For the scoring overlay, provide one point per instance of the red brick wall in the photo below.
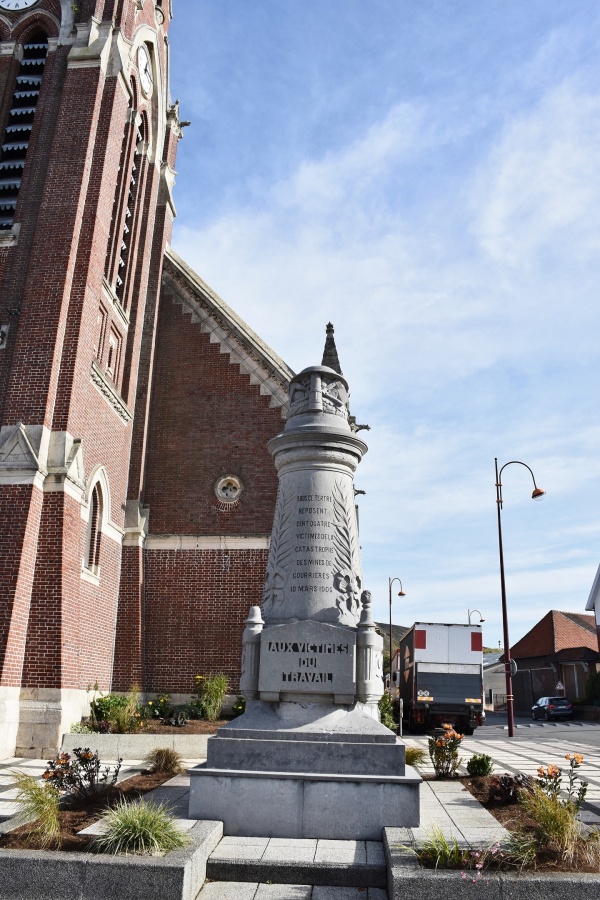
(207, 420)
(195, 604)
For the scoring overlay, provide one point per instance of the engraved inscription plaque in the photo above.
(307, 657)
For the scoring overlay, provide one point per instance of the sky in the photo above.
(423, 174)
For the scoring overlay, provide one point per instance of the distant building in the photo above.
(562, 649)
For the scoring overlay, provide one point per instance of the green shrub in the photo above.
(122, 714)
(158, 708)
(102, 709)
(164, 759)
(239, 707)
(557, 828)
(415, 756)
(81, 728)
(386, 712)
(480, 764)
(208, 694)
(39, 801)
(138, 827)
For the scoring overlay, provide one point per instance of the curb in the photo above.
(56, 875)
(408, 879)
(136, 746)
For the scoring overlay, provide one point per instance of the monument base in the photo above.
(304, 805)
(311, 770)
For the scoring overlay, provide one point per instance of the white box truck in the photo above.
(438, 674)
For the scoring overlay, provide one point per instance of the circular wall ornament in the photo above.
(17, 5)
(228, 489)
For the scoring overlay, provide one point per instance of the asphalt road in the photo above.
(496, 727)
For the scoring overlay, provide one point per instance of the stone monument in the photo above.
(309, 757)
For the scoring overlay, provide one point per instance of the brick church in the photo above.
(136, 490)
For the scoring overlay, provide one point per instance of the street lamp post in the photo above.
(400, 594)
(537, 494)
(471, 612)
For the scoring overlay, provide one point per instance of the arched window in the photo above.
(124, 223)
(19, 125)
(92, 561)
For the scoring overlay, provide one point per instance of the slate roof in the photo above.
(560, 636)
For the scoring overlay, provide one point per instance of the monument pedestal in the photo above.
(305, 770)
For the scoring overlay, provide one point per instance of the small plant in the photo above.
(81, 728)
(386, 712)
(165, 759)
(103, 708)
(179, 716)
(415, 756)
(506, 788)
(480, 764)
(239, 707)
(82, 776)
(208, 694)
(159, 707)
(438, 851)
(443, 751)
(550, 782)
(39, 801)
(138, 827)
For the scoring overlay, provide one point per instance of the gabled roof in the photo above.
(245, 348)
(563, 635)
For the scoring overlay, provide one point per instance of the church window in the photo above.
(17, 132)
(113, 355)
(121, 247)
(92, 561)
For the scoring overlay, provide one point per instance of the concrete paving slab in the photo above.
(244, 852)
(375, 854)
(228, 890)
(288, 854)
(293, 842)
(341, 851)
(282, 892)
(233, 841)
(8, 809)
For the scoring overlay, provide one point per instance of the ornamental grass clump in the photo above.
(139, 828)
(39, 801)
(414, 756)
(443, 751)
(208, 694)
(165, 759)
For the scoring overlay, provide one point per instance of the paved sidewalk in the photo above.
(444, 804)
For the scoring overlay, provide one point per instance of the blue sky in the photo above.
(424, 174)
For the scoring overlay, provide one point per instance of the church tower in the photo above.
(89, 138)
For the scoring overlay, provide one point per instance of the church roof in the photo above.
(559, 634)
(245, 348)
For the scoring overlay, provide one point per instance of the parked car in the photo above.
(552, 708)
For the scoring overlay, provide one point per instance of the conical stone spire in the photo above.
(330, 354)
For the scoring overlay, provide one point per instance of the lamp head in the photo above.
(401, 594)
(537, 494)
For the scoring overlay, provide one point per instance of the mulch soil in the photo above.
(83, 814)
(194, 726)
(512, 815)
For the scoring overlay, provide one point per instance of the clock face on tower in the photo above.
(145, 69)
(16, 5)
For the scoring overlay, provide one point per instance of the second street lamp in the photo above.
(537, 494)
(400, 594)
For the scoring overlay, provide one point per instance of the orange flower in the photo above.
(541, 772)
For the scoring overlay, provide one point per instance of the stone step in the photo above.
(229, 890)
(299, 861)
